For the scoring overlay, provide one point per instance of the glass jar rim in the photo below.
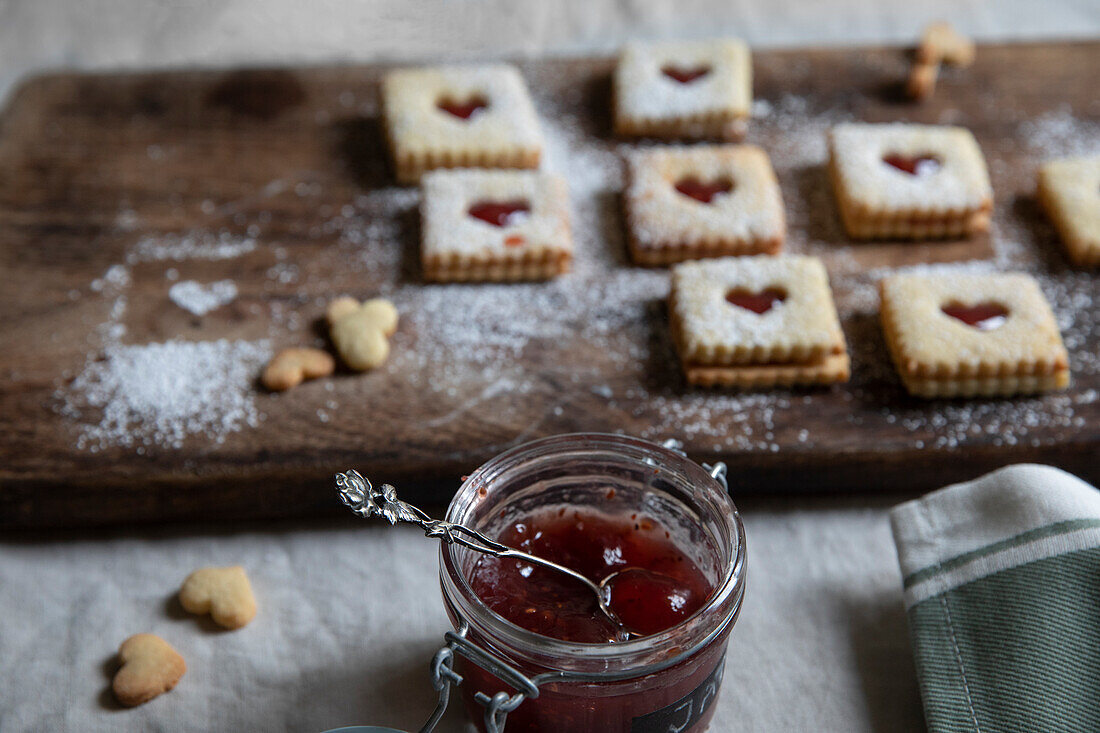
(700, 628)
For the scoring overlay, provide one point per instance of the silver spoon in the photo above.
(366, 501)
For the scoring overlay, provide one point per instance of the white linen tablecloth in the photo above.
(349, 615)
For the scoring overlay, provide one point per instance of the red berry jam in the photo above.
(914, 165)
(500, 213)
(703, 192)
(758, 303)
(656, 585)
(684, 75)
(463, 109)
(983, 316)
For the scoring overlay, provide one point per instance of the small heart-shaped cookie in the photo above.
(150, 666)
(224, 593)
(291, 367)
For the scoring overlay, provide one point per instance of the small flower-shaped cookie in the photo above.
(360, 331)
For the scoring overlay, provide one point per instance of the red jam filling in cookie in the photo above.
(983, 316)
(500, 213)
(703, 191)
(463, 109)
(657, 585)
(914, 165)
(684, 75)
(758, 303)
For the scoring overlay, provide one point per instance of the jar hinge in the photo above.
(718, 471)
(499, 705)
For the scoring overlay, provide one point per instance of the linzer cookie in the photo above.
(495, 226)
(756, 322)
(906, 181)
(1069, 190)
(963, 335)
(691, 89)
(457, 117)
(710, 201)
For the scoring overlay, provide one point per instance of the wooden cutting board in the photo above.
(123, 197)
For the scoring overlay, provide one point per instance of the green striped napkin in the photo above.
(1002, 587)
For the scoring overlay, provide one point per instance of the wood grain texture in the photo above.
(91, 164)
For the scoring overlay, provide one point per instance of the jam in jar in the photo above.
(598, 504)
(654, 585)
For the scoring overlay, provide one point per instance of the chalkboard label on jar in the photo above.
(684, 713)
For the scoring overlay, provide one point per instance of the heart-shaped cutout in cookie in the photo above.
(914, 165)
(463, 109)
(703, 191)
(224, 593)
(758, 302)
(150, 666)
(983, 316)
(500, 213)
(685, 74)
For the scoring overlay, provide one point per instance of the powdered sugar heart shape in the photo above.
(150, 666)
(685, 74)
(914, 165)
(224, 593)
(463, 109)
(199, 298)
(703, 191)
(500, 213)
(758, 302)
(983, 316)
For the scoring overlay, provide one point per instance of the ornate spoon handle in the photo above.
(366, 501)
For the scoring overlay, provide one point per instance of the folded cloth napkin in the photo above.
(1002, 588)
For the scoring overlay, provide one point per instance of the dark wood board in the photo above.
(92, 166)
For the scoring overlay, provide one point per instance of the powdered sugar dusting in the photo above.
(490, 351)
(192, 245)
(1059, 134)
(161, 393)
(200, 299)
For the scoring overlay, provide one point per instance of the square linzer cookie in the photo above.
(756, 322)
(481, 225)
(961, 335)
(1069, 190)
(708, 201)
(906, 181)
(459, 117)
(690, 89)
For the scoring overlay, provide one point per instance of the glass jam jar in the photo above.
(666, 681)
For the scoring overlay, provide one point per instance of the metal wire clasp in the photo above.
(718, 471)
(499, 705)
